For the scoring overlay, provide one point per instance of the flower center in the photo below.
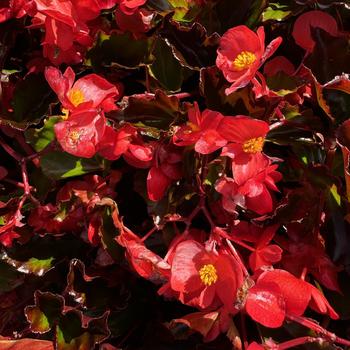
(76, 97)
(192, 128)
(254, 145)
(208, 274)
(74, 136)
(244, 60)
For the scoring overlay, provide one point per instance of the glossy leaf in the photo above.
(60, 165)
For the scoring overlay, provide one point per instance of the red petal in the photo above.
(242, 128)
(184, 273)
(95, 89)
(296, 292)
(265, 305)
(59, 83)
(320, 304)
(209, 142)
(316, 19)
(157, 184)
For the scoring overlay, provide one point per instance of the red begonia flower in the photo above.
(201, 131)
(241, 53)
(204, 278)
(251, 185)
(246, 137)
(278, 293)
(312, 19)
(81, 133)
(91, 91)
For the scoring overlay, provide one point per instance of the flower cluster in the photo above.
(142, 145)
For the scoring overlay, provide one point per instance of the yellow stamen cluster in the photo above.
(74, 136)
(244, 60)
(76, 97)
(208, 274)
(254, 145)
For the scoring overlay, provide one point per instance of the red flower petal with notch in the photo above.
(312, 19)
(81, 133)
(91, 91)
(241, 53)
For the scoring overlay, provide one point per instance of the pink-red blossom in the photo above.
(241, 53)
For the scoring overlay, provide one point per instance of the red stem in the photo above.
(10, 151)
(244, 245)
(299, 341)
(237, 257)
(208, 216)
(318, 329)
(179, 95)
(149, 233)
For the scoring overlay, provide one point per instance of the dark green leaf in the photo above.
(31, 100)
(120, 49)
(40, 138)
(166, 69)
(191, 46)
(60, 165)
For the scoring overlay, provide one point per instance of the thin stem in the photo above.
(148, 88)
(244, 331)
(299, 341)
(303, 274)
(208, 216)
(244, 245)
(237, 257)
(179, 95)
(149, 233)
(318, 329)
(10, 150)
